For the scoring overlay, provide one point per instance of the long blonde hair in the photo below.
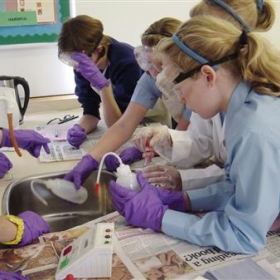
(258, 14)
(213, 38)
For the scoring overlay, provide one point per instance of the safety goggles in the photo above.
(185, 75)
(144, 57)
(165, 79)
(199, 58)
(65, 57)
(170, 76)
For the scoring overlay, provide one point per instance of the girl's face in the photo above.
(94, 57)
(200, 94)
(98, 57)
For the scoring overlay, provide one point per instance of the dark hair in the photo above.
(81, 33)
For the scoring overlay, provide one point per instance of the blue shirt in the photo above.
(243, 207)
(146, 94)
(123, 72)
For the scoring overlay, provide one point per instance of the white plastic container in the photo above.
(126, 178)
(62, 189)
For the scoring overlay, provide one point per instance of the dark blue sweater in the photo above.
(123, 72)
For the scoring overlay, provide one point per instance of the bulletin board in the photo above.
(30, 21)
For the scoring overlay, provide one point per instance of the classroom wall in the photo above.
(126, 20)
(123, 20)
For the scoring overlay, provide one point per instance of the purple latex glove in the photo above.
(143, 209)
(127, 156)
(29, 140)
(34, 226)
(5, 165)
(174, 199)
(82, 170)
(76, 135)
(4, 275)
(89, 70)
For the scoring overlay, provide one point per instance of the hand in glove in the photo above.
(157, 136)
(168, 177)
(82, 170)
(30, 226)
(89, 70)
(76, 135)
(34, 226)
(175, 200)
(29, 140)
(5, 165)
(127, 156)
(143, 209)
(4, 275)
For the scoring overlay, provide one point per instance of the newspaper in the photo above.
(60, 149)
(39, 261)
(151, 255)
(138, 254)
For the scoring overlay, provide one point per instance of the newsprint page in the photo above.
(143, 254)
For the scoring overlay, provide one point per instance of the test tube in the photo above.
(148, 159)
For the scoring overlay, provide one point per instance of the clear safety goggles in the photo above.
(165, 80)
(144, 56)
(172, 74)
(170, 96)
(65, 57)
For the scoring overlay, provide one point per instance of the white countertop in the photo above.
(38, 113)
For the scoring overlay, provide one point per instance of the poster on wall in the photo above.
(31, 21)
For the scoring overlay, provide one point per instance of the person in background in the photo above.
(29, 140)
(144, 98)
(240, 77)
(203, 145)
(105, 71)
(147, 91)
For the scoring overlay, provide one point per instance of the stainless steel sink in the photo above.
(60, 214)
